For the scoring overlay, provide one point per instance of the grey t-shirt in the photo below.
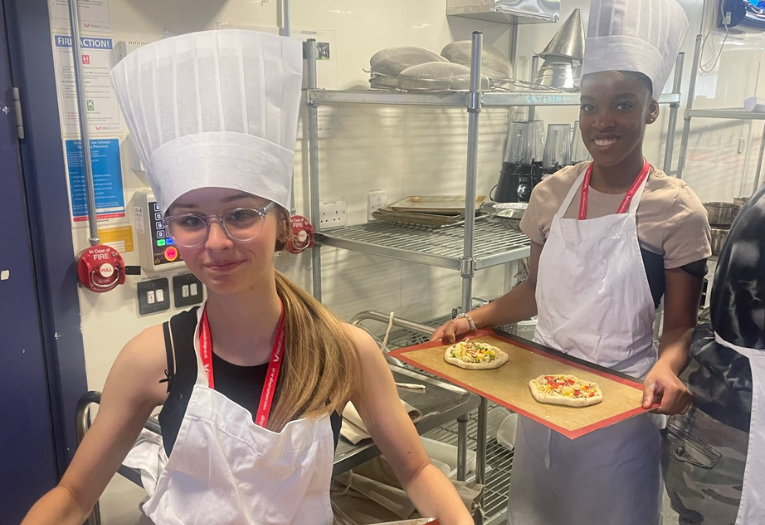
(671, 221)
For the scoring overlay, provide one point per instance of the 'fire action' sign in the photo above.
(86, 42)
(101, 106)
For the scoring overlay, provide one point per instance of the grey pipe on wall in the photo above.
(74, 23)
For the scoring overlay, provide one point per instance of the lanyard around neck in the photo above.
(624, 206)
(275, 363)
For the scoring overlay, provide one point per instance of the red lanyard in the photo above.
(269, 386)
(627, 198)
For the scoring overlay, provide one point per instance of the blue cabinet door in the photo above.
(27, 451)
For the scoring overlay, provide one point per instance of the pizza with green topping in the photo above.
(475, 356)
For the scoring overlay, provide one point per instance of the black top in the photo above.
(738, 295)
(241, 384)
(722, 383)
(654, 269)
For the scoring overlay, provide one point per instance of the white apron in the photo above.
(751, 510)
(226, 470)
(594, 303)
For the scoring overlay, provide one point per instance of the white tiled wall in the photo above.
(403, 151)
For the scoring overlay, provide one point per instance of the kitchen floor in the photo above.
(670, 516)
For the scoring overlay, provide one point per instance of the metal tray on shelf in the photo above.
(449, 204)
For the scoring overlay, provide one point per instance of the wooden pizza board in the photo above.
(508, 385)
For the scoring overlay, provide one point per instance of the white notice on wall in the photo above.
(103, 112)
(93, 14)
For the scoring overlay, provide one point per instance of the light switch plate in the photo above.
(149, 295)
(187, 290)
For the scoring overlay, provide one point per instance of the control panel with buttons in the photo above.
(157, 250)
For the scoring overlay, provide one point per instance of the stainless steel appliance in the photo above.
(522, 165)
(557, 148)
(579, 151)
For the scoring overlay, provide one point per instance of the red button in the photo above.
(171, 254)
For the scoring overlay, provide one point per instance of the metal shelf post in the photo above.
(467, 271)
(688, 109)
(474, 112)
(669, 150)
(310, 50)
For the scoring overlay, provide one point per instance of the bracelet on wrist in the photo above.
(470, 321)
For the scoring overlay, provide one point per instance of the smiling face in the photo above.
(226, 266)
(615, 108)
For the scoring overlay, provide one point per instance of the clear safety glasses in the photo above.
(240, 224)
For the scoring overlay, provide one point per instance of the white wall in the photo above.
(403, 151)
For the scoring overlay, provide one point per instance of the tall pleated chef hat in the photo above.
(214, 109)
(641, 36)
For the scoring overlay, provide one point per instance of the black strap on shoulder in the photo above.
(183, 327)
(170, 371)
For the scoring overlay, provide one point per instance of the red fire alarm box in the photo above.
(100, 268)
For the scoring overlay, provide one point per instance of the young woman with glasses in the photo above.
(259, 375)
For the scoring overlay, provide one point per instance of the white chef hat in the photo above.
(214, 109)
(642, 36)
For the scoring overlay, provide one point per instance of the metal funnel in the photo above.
(569, 40)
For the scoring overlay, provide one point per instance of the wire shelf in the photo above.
(734, 113)
(494, 243)
(540, 97)
(499, 460)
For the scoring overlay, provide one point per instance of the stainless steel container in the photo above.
(559, 73)
(721, 214)
(511, 213)
(719, 235)
(506, 11)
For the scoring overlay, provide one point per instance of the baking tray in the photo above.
(509, 385)
(450, 204)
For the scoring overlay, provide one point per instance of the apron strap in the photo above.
(752, 492)
(573, 192)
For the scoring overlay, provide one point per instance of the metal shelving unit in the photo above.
(494, 243)
(474, 245)
(721, 113)
(455, 100)
(733, 113)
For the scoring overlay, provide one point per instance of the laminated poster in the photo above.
(107, 179)
(103, 112)
(93, 14)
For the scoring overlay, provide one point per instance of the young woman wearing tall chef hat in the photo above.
(609, 239)
(259, 374)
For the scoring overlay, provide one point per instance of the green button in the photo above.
(161, 242)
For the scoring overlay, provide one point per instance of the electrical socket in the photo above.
(333, 214)
(375, 199)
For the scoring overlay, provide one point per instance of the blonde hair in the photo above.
(320, 360)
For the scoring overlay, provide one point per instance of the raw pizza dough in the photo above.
(566, 390)
(475, 356)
